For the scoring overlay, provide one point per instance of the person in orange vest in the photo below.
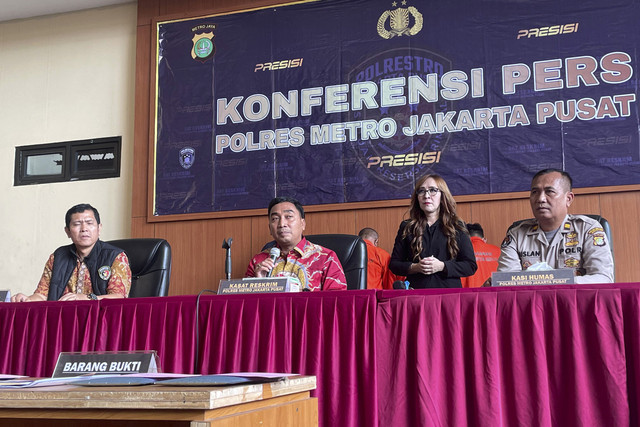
(378, 274)
(486, 257)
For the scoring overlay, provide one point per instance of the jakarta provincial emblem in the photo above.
(203, 47)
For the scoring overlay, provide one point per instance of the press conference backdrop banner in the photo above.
(349, 101)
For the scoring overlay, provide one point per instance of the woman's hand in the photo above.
(428, 265)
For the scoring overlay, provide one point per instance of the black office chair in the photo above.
(351, 251)
(150, 262)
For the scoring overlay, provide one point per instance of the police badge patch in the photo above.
(572, 239)
(186, 157)
(571, 262)
(598, 239)
(104, 272)
(506, 241)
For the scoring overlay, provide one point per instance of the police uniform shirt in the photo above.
(580, 244)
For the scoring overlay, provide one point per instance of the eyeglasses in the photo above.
(431, 190)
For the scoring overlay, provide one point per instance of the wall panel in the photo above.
(622, 210)
(141, 129)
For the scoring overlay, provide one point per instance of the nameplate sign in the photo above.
(561, 276)
(5, 296)
(257, 285)
(112, 363)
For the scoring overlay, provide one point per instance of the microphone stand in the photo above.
(226, 244)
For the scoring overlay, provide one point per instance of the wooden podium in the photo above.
(282, 403)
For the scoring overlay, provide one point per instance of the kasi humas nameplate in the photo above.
(562, 276)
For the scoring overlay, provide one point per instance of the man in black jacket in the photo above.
(87, 269)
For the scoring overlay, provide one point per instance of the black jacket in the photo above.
(434, 243)
(64, 261)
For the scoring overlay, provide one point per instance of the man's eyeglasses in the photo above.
(431, 190)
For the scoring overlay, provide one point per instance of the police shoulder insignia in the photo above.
(567, 225)
(598, 239)
(104, 272)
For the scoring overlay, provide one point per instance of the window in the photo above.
(68, 161)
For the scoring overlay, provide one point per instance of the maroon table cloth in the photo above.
(562, 355)
(520, 356)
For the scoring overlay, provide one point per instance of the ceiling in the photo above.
(12, 9)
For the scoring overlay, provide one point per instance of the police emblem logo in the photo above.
(396, 159)
(598, 239)
(403, 21)
(203, 47)
(186, 157)
(104, 272)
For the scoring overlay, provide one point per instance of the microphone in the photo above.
(399, 284)
(274, 253)
(226, 244)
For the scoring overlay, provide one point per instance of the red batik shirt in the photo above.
(316, 267)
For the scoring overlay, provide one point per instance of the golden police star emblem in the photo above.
(402, 21)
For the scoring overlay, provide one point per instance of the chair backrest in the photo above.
(150, 261)
(605, 226)
(352, 253)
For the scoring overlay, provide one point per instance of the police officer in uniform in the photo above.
(555, 237)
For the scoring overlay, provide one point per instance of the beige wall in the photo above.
(62, 77)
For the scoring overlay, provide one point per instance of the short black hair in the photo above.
(475, 229)
(368, 233)
(79, 209)
(564, 174)
(283, 199)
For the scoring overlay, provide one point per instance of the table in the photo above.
(546, 355)
(279, 403)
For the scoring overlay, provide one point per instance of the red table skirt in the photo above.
(562, 355)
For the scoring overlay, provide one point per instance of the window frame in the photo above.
(70, 151)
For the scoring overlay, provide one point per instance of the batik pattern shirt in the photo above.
(80, 280)
(316, 267)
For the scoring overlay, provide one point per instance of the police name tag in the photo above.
(560, 276)
(257, 285)
(111, 363)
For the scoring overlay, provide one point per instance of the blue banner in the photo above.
(350, 101)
